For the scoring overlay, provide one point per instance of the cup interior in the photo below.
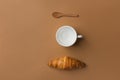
(66, 36)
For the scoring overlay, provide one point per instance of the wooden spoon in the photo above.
(59, 15)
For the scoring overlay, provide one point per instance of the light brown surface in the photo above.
(27, 39)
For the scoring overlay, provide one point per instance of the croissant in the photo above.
(66, 63)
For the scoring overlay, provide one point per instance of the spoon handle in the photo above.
(71, 15)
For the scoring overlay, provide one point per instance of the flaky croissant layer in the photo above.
(66, 63)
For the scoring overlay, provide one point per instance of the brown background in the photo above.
(27, 39)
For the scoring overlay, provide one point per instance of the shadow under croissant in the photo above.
(66, 63)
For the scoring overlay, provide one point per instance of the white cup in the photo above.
(66, 36)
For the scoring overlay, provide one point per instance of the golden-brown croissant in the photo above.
(66, 63)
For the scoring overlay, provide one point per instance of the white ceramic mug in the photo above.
(67, 36)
